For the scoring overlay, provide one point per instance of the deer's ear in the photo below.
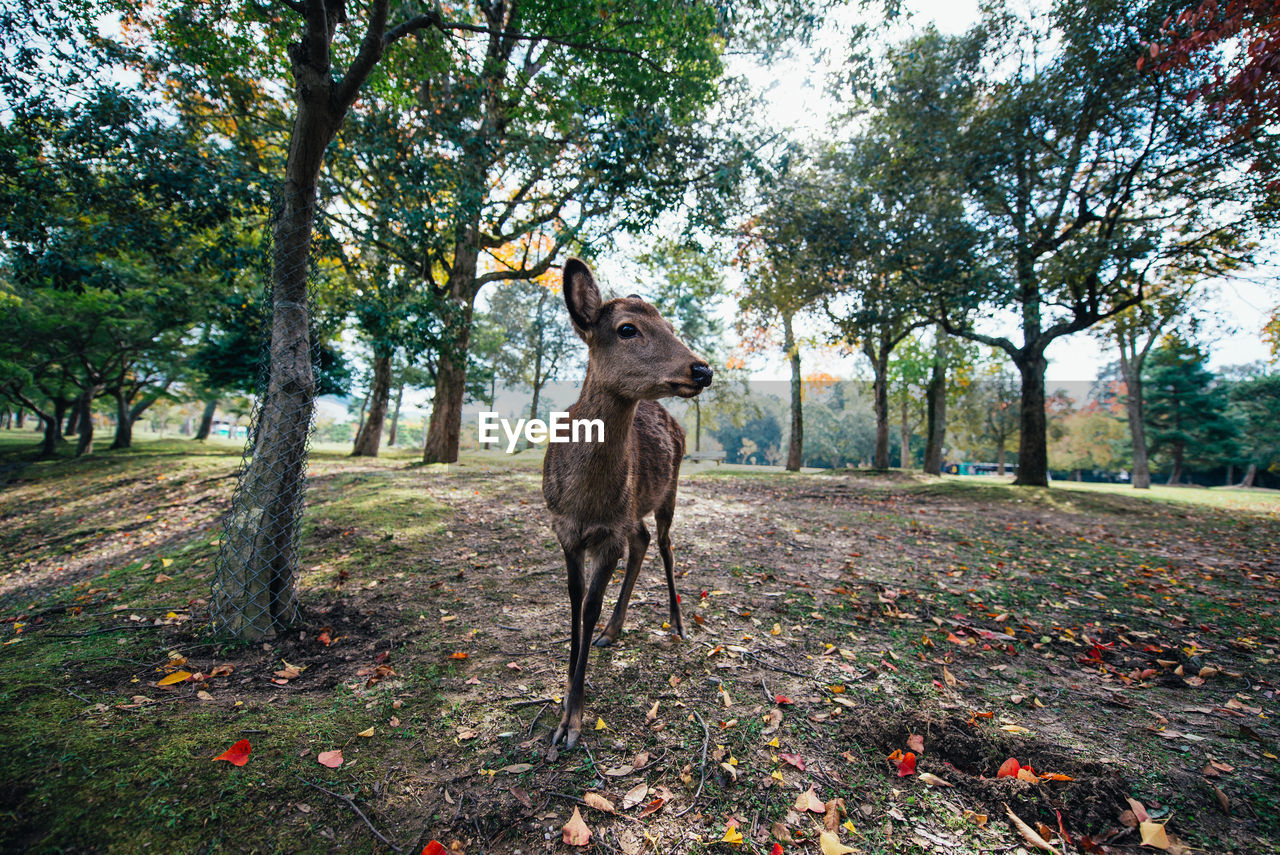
(581, 295)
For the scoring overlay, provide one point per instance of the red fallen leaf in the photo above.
(1009, 769)
(782, 699)
(776, 850)
(236, 755)
(907, 766)
(332, 759)
(704, 595)
(916, 743)
(653, 807)
(324, 637)
(382, 657)
(794, 759)
(435, 847)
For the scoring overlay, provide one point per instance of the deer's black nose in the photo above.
(701, 374)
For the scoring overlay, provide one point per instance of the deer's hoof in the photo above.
(572, 738)
(603, 640)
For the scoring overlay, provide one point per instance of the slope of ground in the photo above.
(1124, 646)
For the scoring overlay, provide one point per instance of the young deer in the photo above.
(600, 492)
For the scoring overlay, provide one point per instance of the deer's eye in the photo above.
(628, 331)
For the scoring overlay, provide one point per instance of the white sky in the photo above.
(798, 101)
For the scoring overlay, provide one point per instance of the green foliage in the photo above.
(1255, 405)
(1186, 412)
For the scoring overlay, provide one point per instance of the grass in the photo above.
(952, 608)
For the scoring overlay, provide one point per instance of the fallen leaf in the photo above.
(600, 725)
(1223, 801)
(732, 835)
(1009, 769)
(794, 759)
(933, 780)
(907, 766)
(1138, 810)
(948, 677)
(576, 832)
(332, 759)
(161, 578)
(467, 733)
(809, 801)
(979, 819)
(635, 796)
(599, 802)
(782, 699)
(204, 696)
(916, 743)
(1029, 833)
(652, 807)
(653, 712)
(1153, 835)
(831, 844)
(435, 847)
(459, 654)
(366, 733)
(237, 754)
(1014, 728)
(175, 677)
(1028, 776)
(516, 768)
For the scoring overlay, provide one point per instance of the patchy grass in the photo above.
(1126, 642)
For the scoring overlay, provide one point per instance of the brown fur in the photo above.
(600, 493)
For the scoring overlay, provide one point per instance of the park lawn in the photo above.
(1127, 642)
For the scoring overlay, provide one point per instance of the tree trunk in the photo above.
(1249, 475)
(395, 417)
(697, 425)
(904, 437)
(935, 397)
(451, 376)
(19, 420)
(84, 422)
(1231, 475)
(124, 421)
(1175, 474)
(880, 389)
(73, 422)
(1137, 425)
(206, 419)
(1000, 456)
(52, 434)
(257, 589)
(1033, 447)
(369, 438)
(795, 444)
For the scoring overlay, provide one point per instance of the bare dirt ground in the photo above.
(1120, 647)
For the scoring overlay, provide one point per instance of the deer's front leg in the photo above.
(605, 560)
(574, 565)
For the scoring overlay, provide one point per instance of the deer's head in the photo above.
(631, 349)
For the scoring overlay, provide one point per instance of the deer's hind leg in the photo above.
(637, 546)
(663, 516)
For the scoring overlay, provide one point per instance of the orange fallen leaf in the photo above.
(1153, 835)
(458, 654)
(435, 847)
(1009, 769)
(782, 699)
(332, 759)
(236, 755)
(576, 832)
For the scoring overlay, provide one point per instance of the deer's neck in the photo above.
(609, 461)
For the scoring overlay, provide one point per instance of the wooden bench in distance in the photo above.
(698, 456)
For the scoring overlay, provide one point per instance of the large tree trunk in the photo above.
(20, 420)
(84, 422)
(256, 592)
(1000, 456)
(795, 445)
(52, 435)
(1033, 447)
(451, 376)
(936, 409)
(1249, 475)
(370, 437)
(206, 419)
(1137, 425)
(904, 437)
(124, 421)
(395, 417)
(880, 394)
(1175, 474)
(73, 422)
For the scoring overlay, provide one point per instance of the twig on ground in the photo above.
(702, 773)
(534, 723)
(518, 704)
(76, 695)
(352, 804)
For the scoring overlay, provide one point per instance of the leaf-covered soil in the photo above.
(1122, 646)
